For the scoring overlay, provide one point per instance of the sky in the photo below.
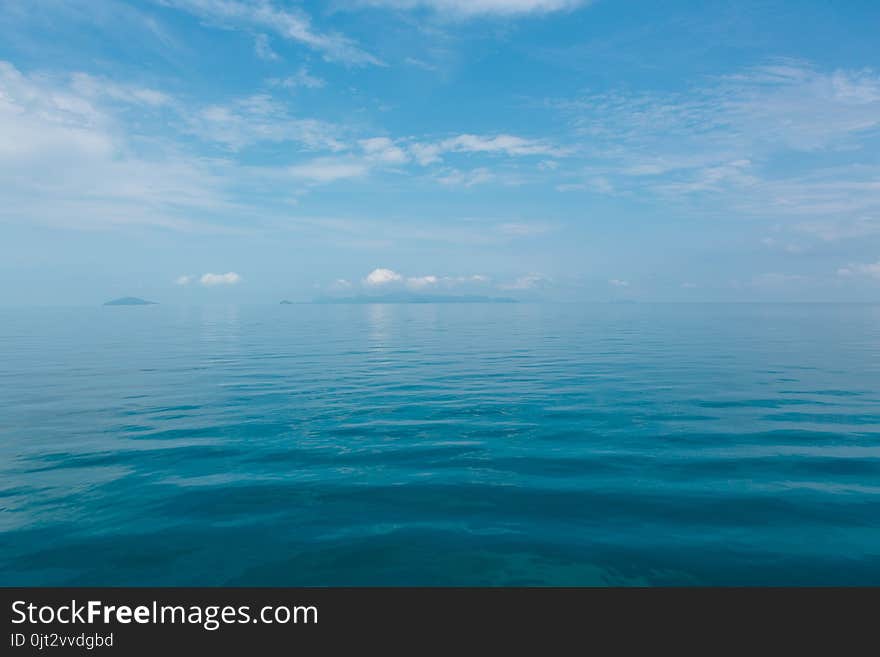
(238, 151)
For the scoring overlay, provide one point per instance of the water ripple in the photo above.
(521, 444)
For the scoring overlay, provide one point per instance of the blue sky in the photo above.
(202, 151)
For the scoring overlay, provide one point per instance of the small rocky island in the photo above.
(130, 301)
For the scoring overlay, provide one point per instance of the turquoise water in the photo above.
(440, 444)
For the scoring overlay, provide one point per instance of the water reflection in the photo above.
(380, 320)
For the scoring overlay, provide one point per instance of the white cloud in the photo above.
(473, 8)
(229, 278)
(717, 177)
(597, 184)
(93, 87)
(184, 280)
(421, 282)
(302, 78)
(71, 155)
(292, 23)
(383, 150)
(834, 229)
(724, 138)
(601, 185)
(418, 63)
(260, 119)
(871, 269)
(327, 170)
(37, 118)
(382, 276)
(769, 107)
(528, 282)
(432, 152)
(66, 158)
(264, 49)
(473, 279)
(470, 178)
(507, 144)
(840, 201)
(426, 154)
(616, 282)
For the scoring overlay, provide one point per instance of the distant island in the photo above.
(130, 301)
(285, 302)
(413, 298)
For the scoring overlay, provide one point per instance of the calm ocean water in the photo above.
(440, 444)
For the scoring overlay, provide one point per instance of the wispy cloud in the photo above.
(302, 78)
(724, 137)
(474, 8)
(419, 63)
(457, 178)
(327, 170)
(421, 282)
(788, 105)
(264, 49)
(384, 150)
(871, 269)
(92, 87)
(532, 281)
(523, 229)
(510, 145)
(289, 23)
(66, 157)
(832, 229)
(260, 118)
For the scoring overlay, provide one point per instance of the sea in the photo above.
(527, 444)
